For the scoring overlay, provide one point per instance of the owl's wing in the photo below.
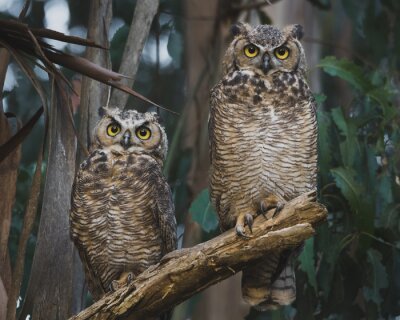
(78, 235)
(165, 213)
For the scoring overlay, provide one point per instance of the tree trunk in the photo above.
(94, 94)
(50, 291)
(8, 183)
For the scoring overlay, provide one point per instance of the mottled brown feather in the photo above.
(263, 146)
(122, 214)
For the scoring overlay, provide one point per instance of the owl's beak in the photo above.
(266, 65)
(126, 139)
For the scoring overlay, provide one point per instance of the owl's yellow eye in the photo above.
(143, 133)
(113, 129)
(251, 51)
(282, 53)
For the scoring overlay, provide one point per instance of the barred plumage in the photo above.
(122, 214)
(263, 145)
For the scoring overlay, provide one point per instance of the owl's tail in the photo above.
(270, 283)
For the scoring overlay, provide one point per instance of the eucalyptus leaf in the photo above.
(307, 263)
(346, 70)
(203, 212)
(351, 189)
(319, 98)
(349, 148)
(378, 277)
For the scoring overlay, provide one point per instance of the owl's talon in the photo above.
(129, 278)
(248, 219)
(241, 232)
(114, 286)
(263, 209)
(278, 208)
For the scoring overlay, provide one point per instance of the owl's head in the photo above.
(266, 49)
(129, 131)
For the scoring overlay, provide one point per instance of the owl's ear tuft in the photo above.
(295, 30)
(240, 28)
(156, 116)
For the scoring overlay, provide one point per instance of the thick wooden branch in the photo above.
(185, 272)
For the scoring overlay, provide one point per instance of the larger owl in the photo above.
(122, 215)
(263, 145)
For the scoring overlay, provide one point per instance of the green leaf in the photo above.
(340, 121)
(350, 148)
(361, 203)
(319, 98)
(307, 263)
(347, 71)
(381, 96)
(389, 217)
(203, 212)
(351, 189)
(378, 277)
(117, 45)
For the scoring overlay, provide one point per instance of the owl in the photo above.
(122, 216)
(263, 145)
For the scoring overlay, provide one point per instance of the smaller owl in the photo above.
(122, 215)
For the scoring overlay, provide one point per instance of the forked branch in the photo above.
(183, 273)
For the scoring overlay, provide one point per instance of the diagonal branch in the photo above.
(183, 273)
(145, 11)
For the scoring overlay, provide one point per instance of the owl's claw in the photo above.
(125, 280)
(248, 219)
(242, 221)
(263, 209)
(270, 202)
(241, 232)
(129, 278)
(114, 286)
(278, 208)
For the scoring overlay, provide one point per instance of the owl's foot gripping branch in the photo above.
(183, 273)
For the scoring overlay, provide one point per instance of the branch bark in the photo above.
(185, 272)
(143, 16)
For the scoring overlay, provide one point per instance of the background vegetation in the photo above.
(350, 269)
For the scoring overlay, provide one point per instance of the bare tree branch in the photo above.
(143, 16)
(185, 272)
